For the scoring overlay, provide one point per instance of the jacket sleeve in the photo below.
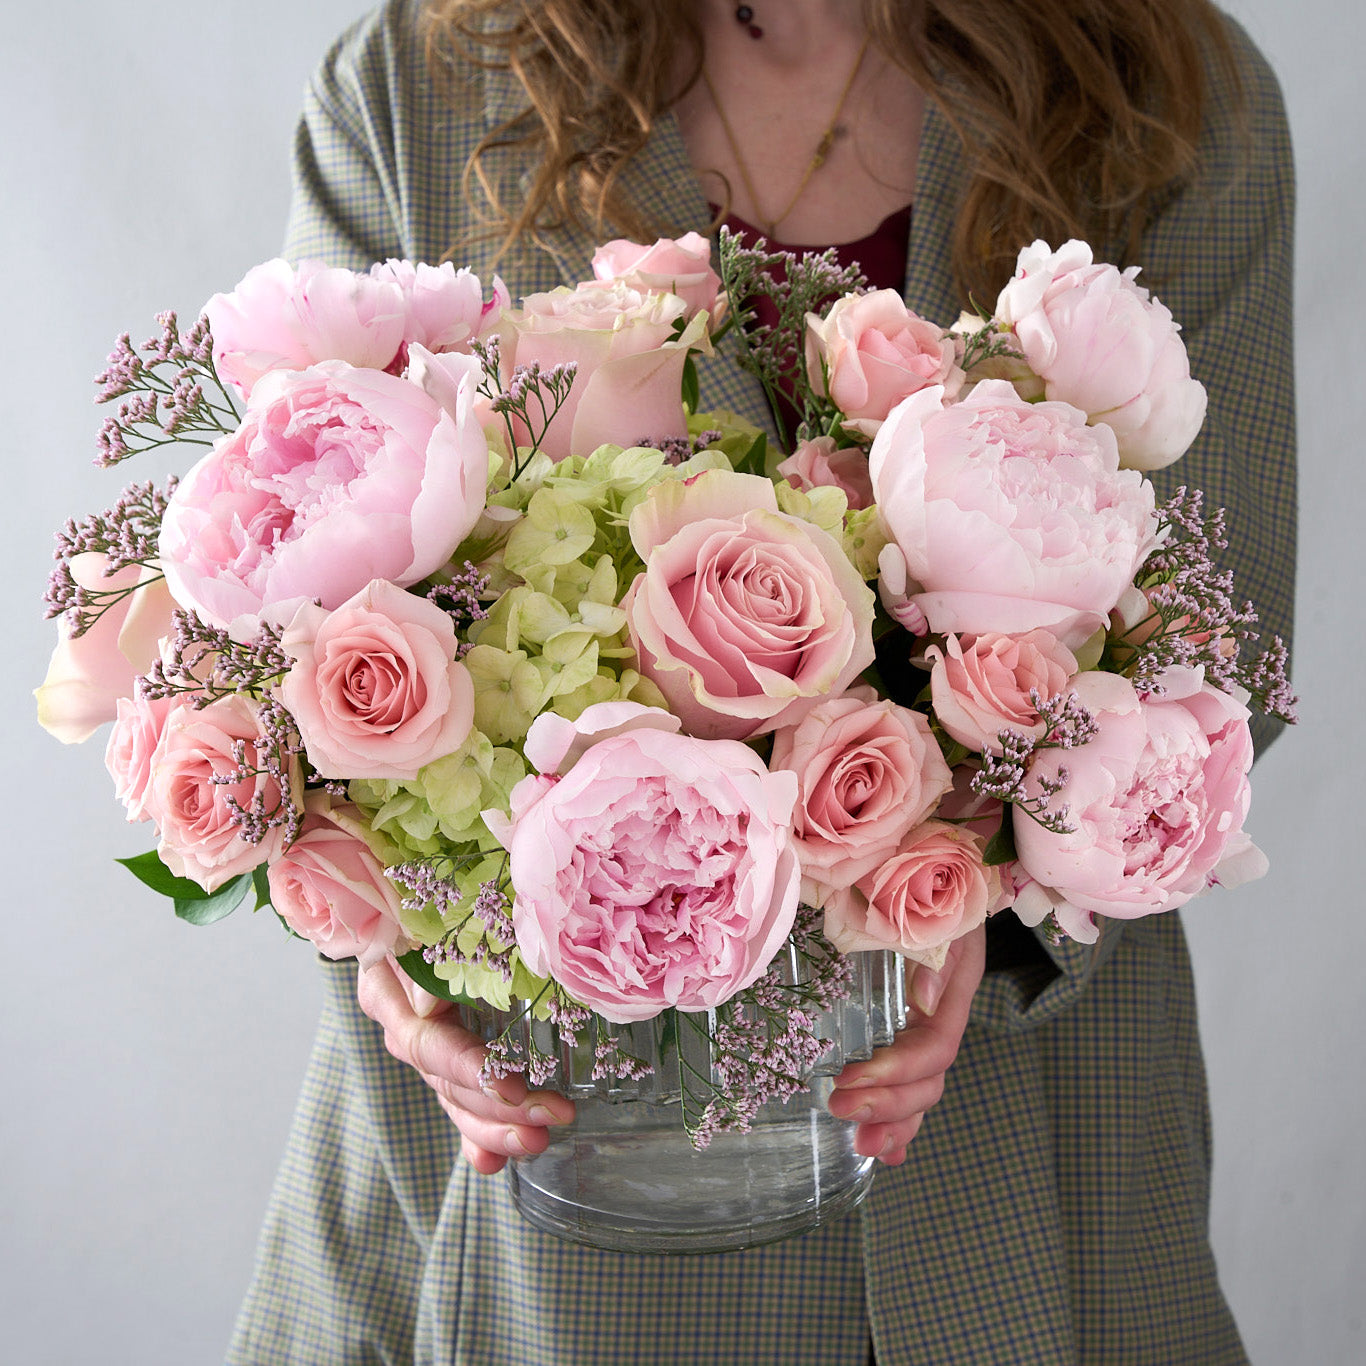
(1220, 255)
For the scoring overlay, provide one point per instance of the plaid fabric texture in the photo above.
(1053, 1209)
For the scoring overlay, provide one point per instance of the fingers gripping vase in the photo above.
(624, 1175)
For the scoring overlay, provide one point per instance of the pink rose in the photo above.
(285, 318)
(933, 890)
(1007, 515)
(650, 869)
(629, 382)
(89, 673)
(818, 464)
(679, 266)
(1100, 342)
(1157, 800)
(201, 837)
(743, 614)
(329, 885)
(867, 771)
(133, 743)
(337, 476)
(981, 685)
(870, 351)
(375, 687)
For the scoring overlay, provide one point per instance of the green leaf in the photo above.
(1001, 846)
(692, 392)
(149, 869)
(210, 906)
(752, 462)
(420, 970)
(260, 880)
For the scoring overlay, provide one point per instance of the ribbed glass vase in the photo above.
(624, 1175)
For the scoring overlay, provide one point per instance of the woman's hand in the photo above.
(889, 1094)
(503, 1121)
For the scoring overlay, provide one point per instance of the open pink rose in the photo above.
(1008, 515)
(933, 890)
(650, 869)
(375, 687)
(629, 382)
(981, 685)
(867, 771)
(201, 838)
(133, 742)
(1100, 342)
(89, 673)
(870, 351)
(329, 885)
(818, 464)
(744, 614)
(337, 476)
(680, 266)
(1157, 801)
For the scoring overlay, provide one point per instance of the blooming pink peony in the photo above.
(867, 771)
(200, 836)
(933, 890)
(1157, 799)
(329, 886)
(89, 673)
(743, 614)
(679, 266)
(870, 351)
(1007, 515)
(336, 477)
(981, 685)
(818, 464)
(443, 308)
(375, 687)
(629, 383)
(1100, 342)
(651, 869)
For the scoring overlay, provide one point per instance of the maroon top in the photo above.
(881, 256)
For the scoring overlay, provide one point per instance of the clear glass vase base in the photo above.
(629, 1180)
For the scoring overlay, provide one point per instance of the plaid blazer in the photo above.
(1053, 1208)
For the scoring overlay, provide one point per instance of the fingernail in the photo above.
(927, 986)
(543, 1114)
(516, 1145)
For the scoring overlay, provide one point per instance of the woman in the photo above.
(1053, 1207)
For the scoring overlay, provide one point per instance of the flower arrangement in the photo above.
(475, 640)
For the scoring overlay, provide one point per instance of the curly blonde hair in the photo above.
(1077, 116)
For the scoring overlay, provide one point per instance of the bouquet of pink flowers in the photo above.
(473, 639)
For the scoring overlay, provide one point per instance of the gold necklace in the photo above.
(770, 225)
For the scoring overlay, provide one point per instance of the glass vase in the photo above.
(625, 1177)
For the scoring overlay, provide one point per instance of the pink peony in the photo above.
(981, 685)
(933, 890)
(89, 673)
(629, 382)
(1006, 515)
(329, 886)
(443, 308)
(1157, 799)
(336, 477)
(867, 771)
(200, 834)
(818, 464)
(132, 746)
(679, 266)
(1100, 342)
(870, 351)
(651, 869)
(375, 687)
(743, 614)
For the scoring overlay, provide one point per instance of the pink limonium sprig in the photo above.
(169, 394)
(462, 599)
(125, 534)
(431, 882)
(274, 757)
(206, 663)
(529, 387)
(1004, 776)
(1193, 619)
(677, 449)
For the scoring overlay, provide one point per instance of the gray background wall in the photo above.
(150, 1068)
